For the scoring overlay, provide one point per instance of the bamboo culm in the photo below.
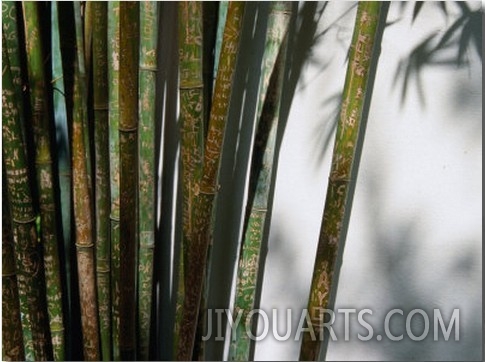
(12, 341)
(146, 171)
(84, 230)
(45, 181)
(260, 175)
(114, 165)
(63, 154)
(29, 264)
(128, 135)
(192, 134)
(362, 51)
(205, 193)
(102, 186)
(12, 38)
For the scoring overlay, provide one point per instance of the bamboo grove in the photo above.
(83, 129)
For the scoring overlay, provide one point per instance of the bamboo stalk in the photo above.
(82, 55)
(30, 271)
(205, 193)
(102, 186)
(12, 341)
(88, 30)
(192, 131)
(261, 174)
(45, 182)
(128, 131)
(12, 38)
(210, 15)
(362, 51)
(146, 170)
(83, 205)
(63, 160)
(114, 160)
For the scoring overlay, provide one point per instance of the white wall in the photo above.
(414, 238)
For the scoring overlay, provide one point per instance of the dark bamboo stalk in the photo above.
(102, 186)
(192, 131)
(114, 161)
(45, 182)
(83, 205)
(128, 128)
(362, 51)
(12, 341)
(29, 264)
(205, 193)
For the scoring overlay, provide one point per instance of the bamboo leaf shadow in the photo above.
(463, 33)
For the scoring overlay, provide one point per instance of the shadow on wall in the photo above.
(414, 278)
(450, 47)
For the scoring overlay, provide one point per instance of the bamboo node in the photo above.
(84, 246)
(148, 246)
(26, 221)
(209, 190)
(190, 86)
(149, 68)
(103, 269)
(56, 79)
(260, 209)
(333, 178)
(127, 129)
(11, 274)
(100, 108)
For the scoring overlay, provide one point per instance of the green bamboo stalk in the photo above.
(45, 182)
(128, 128)
(83, 205)
(192, 130)
(102, 186)
(12, 341)
(10, 28)
(88, 30)
(30, 271)
(260, 175)
(362, 52)
(146, 170)
(205, 193)
(113, 77)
